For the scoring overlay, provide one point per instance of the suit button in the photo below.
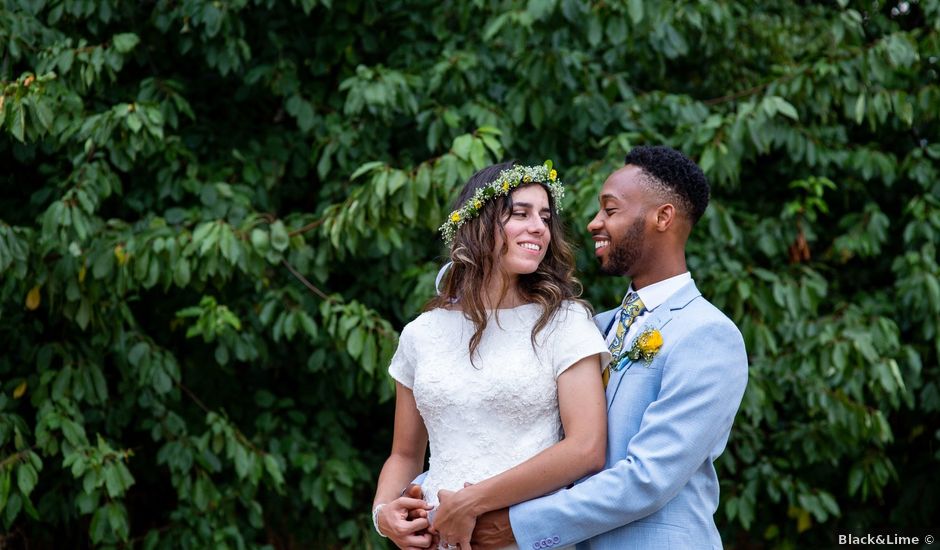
(556, 540)
(535, 545)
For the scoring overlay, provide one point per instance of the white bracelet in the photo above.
(375, 519)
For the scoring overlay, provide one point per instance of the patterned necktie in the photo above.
(631, 309)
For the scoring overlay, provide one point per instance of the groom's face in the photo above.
(619, 228)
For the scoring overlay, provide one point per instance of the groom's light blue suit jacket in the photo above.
(667, 423)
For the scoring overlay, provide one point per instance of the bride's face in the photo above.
(526, 233)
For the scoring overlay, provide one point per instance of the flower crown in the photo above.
(506, 181)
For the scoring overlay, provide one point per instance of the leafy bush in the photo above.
(216, 215)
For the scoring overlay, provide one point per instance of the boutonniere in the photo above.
(646, 346)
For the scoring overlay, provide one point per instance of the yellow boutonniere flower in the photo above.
(651, 341)
(646, 346)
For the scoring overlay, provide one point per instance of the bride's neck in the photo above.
(502, 292)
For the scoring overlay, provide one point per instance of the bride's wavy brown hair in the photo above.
(474, 263)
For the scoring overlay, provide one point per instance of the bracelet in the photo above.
(375, 519)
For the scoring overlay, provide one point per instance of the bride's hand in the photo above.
(455, 518)
(401, 520)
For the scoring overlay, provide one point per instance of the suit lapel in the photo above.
(658, 319)
(605, 320)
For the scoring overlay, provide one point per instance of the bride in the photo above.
(501, 373)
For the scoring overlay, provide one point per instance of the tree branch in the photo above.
(16, 457)
(306, 283)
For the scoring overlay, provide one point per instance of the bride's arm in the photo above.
(405, 461)
(583, 414)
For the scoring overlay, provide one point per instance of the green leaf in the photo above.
(396, 181)
(74, 433)
(98, 529)
(221, 354)
(462, 145)
(494, 26)
(125, 42)
(279, 237)
(117, 520)
(307, 323)
(273, 469)
(595, 30)
(83, 315)
(860, 108)
(365, 168)
(259, 239)
(368, 358)
(355, 342)
(229, 245)
(26, 478)
(161, 381)
(5, 483)
(18, 129)
(13, 506)
(103, 264)
(786, 109)
(87, 502)
(635, 8)
(112, 481)
(181, 273)
(134, 122)
(617, 30)
(478, 154)
(43, 113)
(138, 352)
(202, 491)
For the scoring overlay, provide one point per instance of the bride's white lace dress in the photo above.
(490, 415)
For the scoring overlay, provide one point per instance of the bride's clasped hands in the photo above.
(455, 518)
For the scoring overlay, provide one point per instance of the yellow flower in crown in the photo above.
(553, 175)
(477, 204)
(505, 186)
(646, 346)
(527, 178)
(455, 216)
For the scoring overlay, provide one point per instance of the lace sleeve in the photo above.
(575, 336)
(402, 366)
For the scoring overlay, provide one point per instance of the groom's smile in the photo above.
(618, 228)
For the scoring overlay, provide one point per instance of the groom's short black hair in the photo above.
(677, 172)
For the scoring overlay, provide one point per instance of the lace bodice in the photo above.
(486, 417)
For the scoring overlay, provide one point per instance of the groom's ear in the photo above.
(665, 216)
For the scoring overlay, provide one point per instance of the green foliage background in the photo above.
(216, 215)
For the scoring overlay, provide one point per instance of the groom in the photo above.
(670, 407)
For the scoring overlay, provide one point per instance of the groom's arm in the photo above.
(703, 380)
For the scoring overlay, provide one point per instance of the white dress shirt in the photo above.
(652, 297)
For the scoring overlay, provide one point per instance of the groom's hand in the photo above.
(493, 530)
